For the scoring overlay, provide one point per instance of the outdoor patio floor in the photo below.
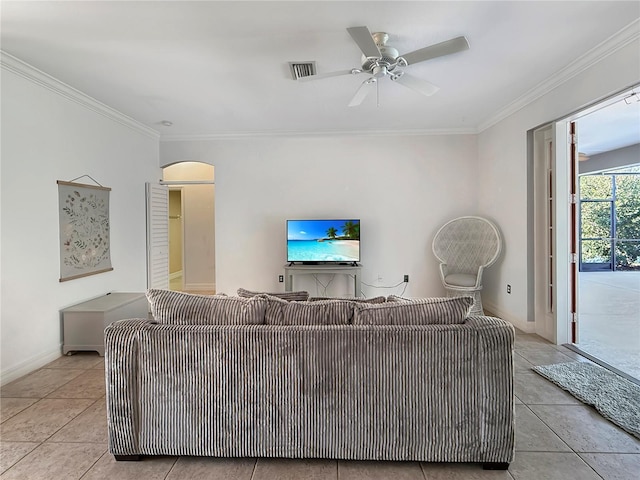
(609, 318)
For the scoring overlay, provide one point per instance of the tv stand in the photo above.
(304, 269)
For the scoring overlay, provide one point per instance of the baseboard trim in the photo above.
(199, 287)
(527, 327)
(29, 365)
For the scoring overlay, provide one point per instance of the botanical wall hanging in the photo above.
(84, 230)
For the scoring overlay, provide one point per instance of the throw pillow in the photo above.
(289, 296)
(322, 312)
(188, 309)
(274, 313)
(416, 312)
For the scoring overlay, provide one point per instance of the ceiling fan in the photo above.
(380, 60)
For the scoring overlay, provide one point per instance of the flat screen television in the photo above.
(323, 241)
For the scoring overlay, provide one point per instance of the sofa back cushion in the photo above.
(188, 309)
(321, 312)
(424, 311)
(299, 296)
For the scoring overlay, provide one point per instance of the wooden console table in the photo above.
(83, 324)
(291, 270)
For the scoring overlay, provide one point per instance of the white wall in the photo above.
(502, 167)
(48, 137)
(199, 223)
(401, 187)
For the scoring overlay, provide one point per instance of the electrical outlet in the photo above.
(281, 278)
(508, 288)
(379, 278)
(406, 279)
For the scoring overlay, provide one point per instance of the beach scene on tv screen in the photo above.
(323, 240)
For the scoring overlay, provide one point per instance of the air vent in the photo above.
(302, 69)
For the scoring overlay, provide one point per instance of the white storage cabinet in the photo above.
(83, 324)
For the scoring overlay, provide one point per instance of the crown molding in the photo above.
(12, 64)
(609, 46)
(328, 133)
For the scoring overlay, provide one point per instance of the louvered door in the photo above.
(157, 236)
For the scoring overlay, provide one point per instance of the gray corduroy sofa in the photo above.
(380, 386)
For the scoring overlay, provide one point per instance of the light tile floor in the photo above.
(53, 426)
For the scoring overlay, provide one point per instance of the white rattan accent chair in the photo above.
(466, 246)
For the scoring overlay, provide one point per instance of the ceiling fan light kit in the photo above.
(381, 60)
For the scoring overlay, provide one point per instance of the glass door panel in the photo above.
(627, 222)
(596, 236)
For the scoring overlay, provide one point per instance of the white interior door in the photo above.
(544, 231)
(157, 236)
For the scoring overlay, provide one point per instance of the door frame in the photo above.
(183, 183)
(178, 188)
(564, 291)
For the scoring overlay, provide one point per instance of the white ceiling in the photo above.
(220, 68)
(613, 126)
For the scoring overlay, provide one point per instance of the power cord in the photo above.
(324, 287)
(387, 287)
(383, 286)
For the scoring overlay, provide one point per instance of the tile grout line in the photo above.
(42, 369)
(424, 475)
(28, 406)
(20, 459)
(552, 430)
(253, 472)
(173, 465)
(588, 465)
(71, 419)
(93, 464)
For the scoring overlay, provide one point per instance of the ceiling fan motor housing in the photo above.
(387, 58)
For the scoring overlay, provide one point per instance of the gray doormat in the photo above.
(615, 397)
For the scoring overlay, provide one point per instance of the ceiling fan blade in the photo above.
(365, 88)
(362, 36)
(338, 73)
(416, 84)
(447, 47)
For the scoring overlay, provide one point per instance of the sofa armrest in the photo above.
(121, 377)
(496, 338)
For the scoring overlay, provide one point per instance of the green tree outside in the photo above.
(598, 203)
(628, 219)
